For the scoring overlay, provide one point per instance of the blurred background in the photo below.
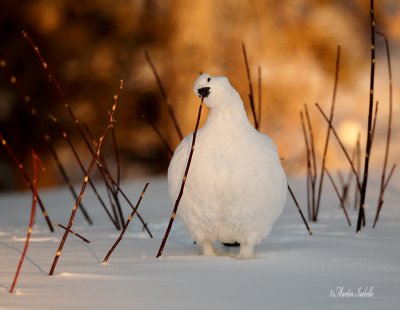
(91, 45)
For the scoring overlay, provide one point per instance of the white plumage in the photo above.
(236, 187)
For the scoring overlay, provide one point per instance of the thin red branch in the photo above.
(167, 101)
(374, 123)
(314, 163)
(178, 200)
(358, 169)
(342, 202)
(86, 179)
(341, 146)
(35, 160)
(27, 180)
(361, 213)
(126, 225)
(72, 147)
(299, 209)
(116, 152)
(160, 136)
(76, 122)
(66, 178)
(308, 159)
(321, 179)
(28, 104)
(251, 93)
(259, 96)
(389, 131)
(74, 233)
(109, 181)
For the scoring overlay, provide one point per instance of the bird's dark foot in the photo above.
(235, 244)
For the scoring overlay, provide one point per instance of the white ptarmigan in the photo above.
(236, 187)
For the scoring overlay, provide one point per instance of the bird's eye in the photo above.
(209, 79)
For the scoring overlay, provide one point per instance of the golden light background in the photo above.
(91, 45)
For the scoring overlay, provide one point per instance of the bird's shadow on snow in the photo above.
(26, 256)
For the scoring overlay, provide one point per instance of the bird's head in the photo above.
(216, 90)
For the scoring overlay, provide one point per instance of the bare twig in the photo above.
(33, 113)
(251, 93)
(86, 179)
(118, 189)
(358, 162)
(116, 152)
(341, 178)
(76, 122)
(361, 212)
(109, 182)
(314, 163)
(73, 232)
(160, 135)
(27, 180)
(341, 146)
(342, 202)
(35, 160)
(167, 101)
(66, 179)
(126, 225)
(347, 184)
(259, 96)
(389, 176)
(321, 178)
(308, 158)
(178, 200)
(389, 131)
(66, 137)
(299, 209)
(374, 123)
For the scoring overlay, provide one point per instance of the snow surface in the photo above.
(292, 270)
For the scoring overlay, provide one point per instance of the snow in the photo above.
(292, 270)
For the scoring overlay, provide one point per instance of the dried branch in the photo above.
(72, 147)
(109, 182)
(389, 131)
(299, 209)
(86, 179)
(347, 184)
(251, 94)
(164, 95)
(358, 161)
(76, 122)
(342, 202)
(29, 106)
(115, 145)
(160, 135)
(178, 200)
(113, 208)
(27, 180)
(259, 96)
(126, 225)
(66, 178)
(374, 123)
(74, 233)
(308, 158)
(361, 214)
(314, 163)
(341, 146)
(118, 189)
(321, 179)
(35, 160)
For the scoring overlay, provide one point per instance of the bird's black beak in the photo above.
(204, 92)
